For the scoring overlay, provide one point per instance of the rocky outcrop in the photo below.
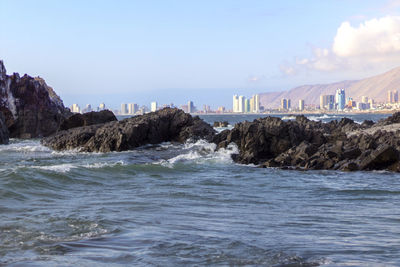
(31, 108)
(3, 130)
(218, 124)
(152, 128)
(87, 119)
(304, 144)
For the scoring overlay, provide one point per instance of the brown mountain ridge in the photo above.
(375, 87)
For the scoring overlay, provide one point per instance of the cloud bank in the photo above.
(372, 44)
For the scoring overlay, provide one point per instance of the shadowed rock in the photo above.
(152, 128)
(301, 143)
(31, 108)
(3, 130)
(87, 119)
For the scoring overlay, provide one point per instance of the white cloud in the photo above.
(374, 43)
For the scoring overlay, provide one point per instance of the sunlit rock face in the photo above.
(31, 108)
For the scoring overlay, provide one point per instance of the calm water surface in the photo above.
(184, 204)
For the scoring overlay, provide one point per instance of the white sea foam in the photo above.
(61, 168)
(99, 165)
(319, 118)
(202, 152)
(288, 117)
(24, 146)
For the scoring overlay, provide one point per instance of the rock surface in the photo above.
(152, 128)
(220, 124)
(87, 119)
(3, 130)
(304, 144)
(31, 108)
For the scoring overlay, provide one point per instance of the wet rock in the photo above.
(30, 107)
(152, 128)
(87, 119)
(379, 159)
(3, 130)
(220, 124)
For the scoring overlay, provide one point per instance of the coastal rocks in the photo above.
(303, 144)
(218, 124)
(87, 119)
(152, 128)
(31, 108)
(3, 130)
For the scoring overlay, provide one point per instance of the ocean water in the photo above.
(187, 205)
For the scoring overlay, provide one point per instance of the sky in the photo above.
(127, 51)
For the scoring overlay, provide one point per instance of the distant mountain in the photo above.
(375, 87)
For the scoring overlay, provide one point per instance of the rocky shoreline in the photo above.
(29, 108)
(308, 145)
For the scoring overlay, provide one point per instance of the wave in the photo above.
(319, 118)
(288, 117)
(24, 146)
(202, 152)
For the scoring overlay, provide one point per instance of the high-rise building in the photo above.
(301, 104)
(190, 107)
(221, 109)
(102, 106)
(326, 102)
(247, 105)
(241, 104)
(289, 104)
(124, 109)
(153, 106)
(235, 105)
(284, 103)
(393, 96)
(364, 99)
(340, 99)
(132, 108)
(75, 108)
(256, 103)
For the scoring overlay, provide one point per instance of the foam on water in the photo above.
(202, 152)
(24, 146)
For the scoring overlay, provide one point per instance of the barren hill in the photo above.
(375, 87)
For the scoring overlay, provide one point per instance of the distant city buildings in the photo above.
(242, 105)
(327, 102)
(153, 106)
(392, 97)
(285, 104)
(340, 99)
(190, 107)
(301, 104)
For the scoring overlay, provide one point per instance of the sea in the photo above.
(188, 205)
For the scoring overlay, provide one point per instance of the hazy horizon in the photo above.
(175, 51)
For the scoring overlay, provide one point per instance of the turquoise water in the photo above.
(184, 204)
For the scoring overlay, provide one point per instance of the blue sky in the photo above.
(205, 51)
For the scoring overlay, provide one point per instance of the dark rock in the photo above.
(3, 130)
(220, 124)
(395, 118)
(367, 124)
(304, 144)
(378, 159)
(349, 167)
(31, 108)
(87, 119)
(152, 128)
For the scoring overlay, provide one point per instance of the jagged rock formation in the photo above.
(31, 108)
(87, 119)
(152, 128)
(305, 144)
(3, 130)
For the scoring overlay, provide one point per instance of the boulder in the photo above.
(87, 119)
(31, 108)
(152, 128)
